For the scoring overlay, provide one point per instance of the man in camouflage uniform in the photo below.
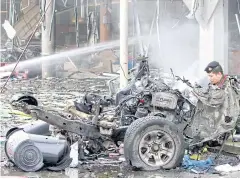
(217, 109)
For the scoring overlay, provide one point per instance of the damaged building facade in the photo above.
(98, 21)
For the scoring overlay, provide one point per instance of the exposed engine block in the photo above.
(164, 100)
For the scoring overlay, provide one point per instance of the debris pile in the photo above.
(52, 93)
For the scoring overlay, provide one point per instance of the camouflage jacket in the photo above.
(217, 109)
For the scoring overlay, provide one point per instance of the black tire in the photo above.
(24, 97)
(142, 126)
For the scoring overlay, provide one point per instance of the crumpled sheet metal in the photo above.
(217, 112)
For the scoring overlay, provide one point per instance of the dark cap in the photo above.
(211, 66)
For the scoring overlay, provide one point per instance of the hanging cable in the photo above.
(26, 47)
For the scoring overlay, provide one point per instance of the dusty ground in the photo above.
(113, 171)
(54, 93)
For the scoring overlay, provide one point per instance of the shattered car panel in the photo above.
(217, 111)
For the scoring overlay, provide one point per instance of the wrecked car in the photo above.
(156, 122)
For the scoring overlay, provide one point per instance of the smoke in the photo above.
(178, 49)
(179, 38)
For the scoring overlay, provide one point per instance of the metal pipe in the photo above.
(47, 44)
(123, 43)
(82, 9)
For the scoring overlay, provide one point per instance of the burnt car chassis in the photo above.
(153, 140)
